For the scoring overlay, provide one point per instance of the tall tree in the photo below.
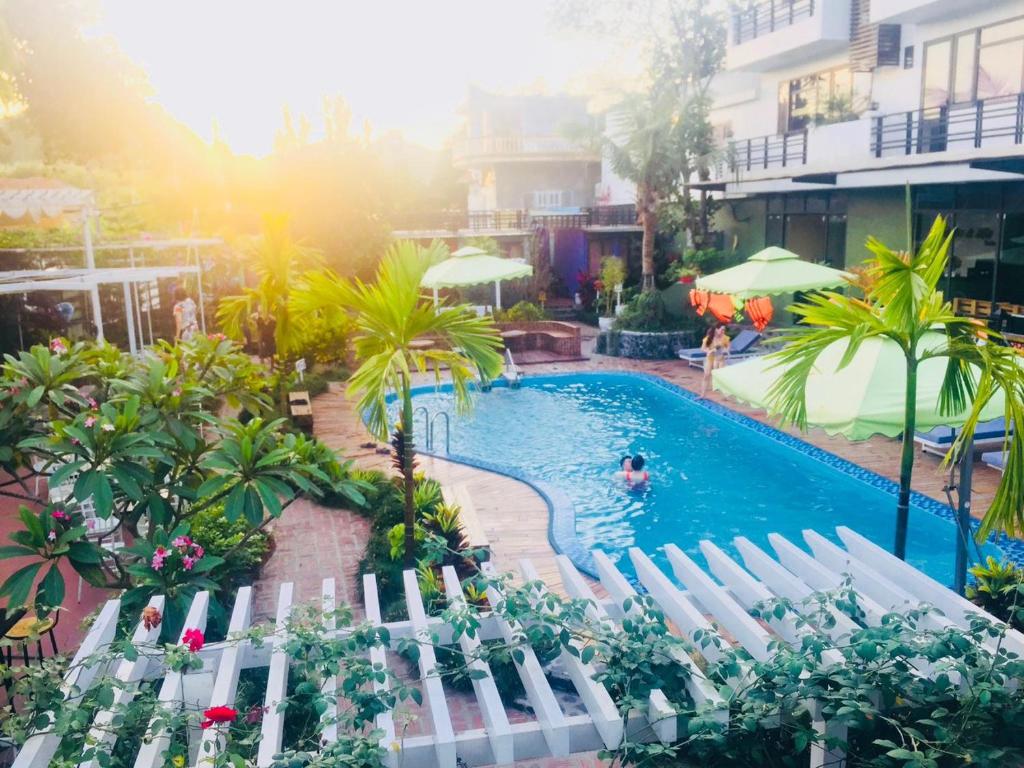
(401, 332)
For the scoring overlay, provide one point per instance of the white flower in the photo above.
(107, 427)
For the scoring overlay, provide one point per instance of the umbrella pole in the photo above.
(435, 297)
(497, 294)
(963, 517)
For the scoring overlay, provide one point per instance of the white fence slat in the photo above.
(681, 612)
(272, 728)
(170, 698)
(749, 591)
(385, 721)
(101, 735)
(441, 719)
(492, 710)
(41, 746)
(225, 686)
(596, 698)
(747, 632)
(957, 608)
(661, 715)
(328, 724)
(785, 584)
(545, 706)
(821, 578)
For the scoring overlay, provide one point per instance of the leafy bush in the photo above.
(522, 312)
(613, 273)
(999, 589)
(647, 312)
(225, 539)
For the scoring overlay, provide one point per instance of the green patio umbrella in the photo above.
(865, 398)
(474, 266)
(771, 272)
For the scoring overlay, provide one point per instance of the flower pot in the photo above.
(605, 323)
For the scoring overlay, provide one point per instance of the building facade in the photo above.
(829, 109)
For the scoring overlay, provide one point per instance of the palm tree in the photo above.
(400, 332)
(644, 148)
(902, 302)
(277, 261)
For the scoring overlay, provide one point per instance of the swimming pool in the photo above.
(715, 474)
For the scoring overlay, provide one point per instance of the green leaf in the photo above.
(19, 584)
(12, 550)
(51, 588)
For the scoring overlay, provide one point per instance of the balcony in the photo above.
(778, 151)
(989, 123)
(912, 11)
(521, 148)
(512, 222)
(769, 34)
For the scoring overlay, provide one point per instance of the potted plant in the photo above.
(613, 272)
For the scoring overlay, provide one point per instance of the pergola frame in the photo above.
(715, 605)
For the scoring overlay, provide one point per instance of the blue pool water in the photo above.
(712, 477)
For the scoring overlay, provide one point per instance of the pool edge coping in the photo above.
(562, 512)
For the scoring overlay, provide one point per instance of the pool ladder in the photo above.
(429, 423)
(512, 373)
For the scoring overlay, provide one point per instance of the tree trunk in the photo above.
(649, 223)
(408, 477)
(906, 460)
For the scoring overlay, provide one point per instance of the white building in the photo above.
(829, 108)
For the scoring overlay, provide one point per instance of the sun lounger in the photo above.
(994, 459)
(741, 348)
(938, 441)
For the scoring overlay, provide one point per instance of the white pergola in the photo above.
(715, 605)
(37, 200)
(31, 280)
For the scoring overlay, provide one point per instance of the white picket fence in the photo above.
(717, 604)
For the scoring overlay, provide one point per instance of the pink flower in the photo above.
(57, 346)
(90, 420)
(176, 392)
(92, 402)
(193, 638)
(187, 562)
(158, 559)
(198, 551)
(255, 714)
(182, 541)
(75, 441)
(60, 514)
(52, 535)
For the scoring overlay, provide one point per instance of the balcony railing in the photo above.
(512, 220)
(522, 146)
(766, 16)
(777, 151)
(987, 122)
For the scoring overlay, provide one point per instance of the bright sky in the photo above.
(401, 64)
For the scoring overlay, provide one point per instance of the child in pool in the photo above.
(632, 470)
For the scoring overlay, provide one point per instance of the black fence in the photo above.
(767, 16)
(958, 126)
(518, 220)
(777, 151)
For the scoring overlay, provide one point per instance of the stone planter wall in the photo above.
(642, 345)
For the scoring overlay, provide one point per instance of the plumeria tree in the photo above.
(116, 454)
(401, 332)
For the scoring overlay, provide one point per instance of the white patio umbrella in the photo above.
(474, 266)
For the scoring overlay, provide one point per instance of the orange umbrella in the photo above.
(722, 307)
(699, 300)
(760, 311)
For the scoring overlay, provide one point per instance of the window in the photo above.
(981, 63)
(908, 57)
(547, 198)
(819, 98)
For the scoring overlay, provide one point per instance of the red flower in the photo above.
(194, 639)
(687, 279)
(219, 715)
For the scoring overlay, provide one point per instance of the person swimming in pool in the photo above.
(631, 469)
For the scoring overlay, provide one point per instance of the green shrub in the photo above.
(999, 589)
(523, 312)
(221, 538)
(647, 312)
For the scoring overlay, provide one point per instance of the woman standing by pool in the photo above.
(716, 345)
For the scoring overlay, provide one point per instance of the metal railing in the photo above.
(777, 151)
(762, 18)
(480, 146)
(514, 219)
(957, 126)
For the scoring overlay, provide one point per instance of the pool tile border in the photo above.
(562, 517)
